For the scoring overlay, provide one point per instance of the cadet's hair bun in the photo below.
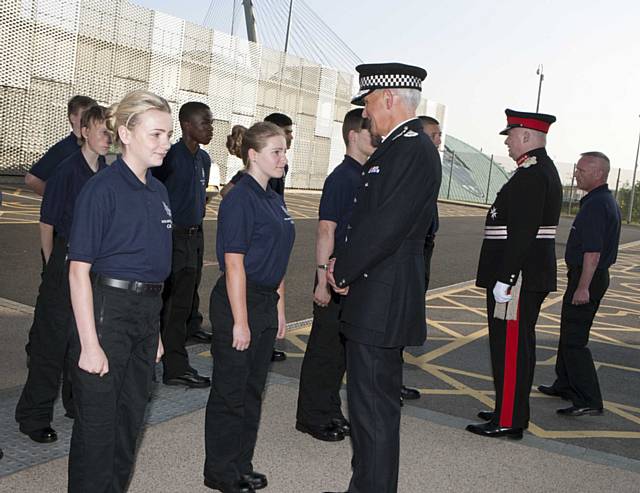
(234, 140)
(110, 120)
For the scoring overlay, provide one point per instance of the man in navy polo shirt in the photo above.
(52, 318)
(185, 173)
(591, 249)
(319, 413)
(42, 170)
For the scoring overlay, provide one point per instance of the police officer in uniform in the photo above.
(517, 267)
(379, 268)
(591, 249)
(185, 173)
(120, 254)
(52, 316)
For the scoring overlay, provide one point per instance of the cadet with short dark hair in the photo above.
(319, 407)
(185, 173)
(53, 316)
(42, 170)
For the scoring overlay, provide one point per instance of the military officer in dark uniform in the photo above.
(379, 268)
(517, 267)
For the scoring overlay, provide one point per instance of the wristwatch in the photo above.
(323, 266)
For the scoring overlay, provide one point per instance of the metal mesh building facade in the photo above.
(53, 49)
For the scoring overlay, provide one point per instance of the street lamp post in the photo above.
(633, 181)
(541, 74)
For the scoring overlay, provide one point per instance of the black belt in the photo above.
(137, 287)
(188, 230)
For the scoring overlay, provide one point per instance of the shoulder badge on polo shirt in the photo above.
(167, 222)
(374, 170)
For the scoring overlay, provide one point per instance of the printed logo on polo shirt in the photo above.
(167, 209)
(287, 217)
(374, 169)
(203, 179)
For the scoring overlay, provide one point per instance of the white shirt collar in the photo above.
(396, 127)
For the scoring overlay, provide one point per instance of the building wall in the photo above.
(53, 49)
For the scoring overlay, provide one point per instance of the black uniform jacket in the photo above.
(520, 228)
(381, 259)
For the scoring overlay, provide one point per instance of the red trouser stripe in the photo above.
(510, 371)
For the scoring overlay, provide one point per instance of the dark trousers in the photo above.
(577, 378)
(429, 245)
(237, 383)
(110, 409)
(373, 392)
(323, 367)
(178, 300)
(513, 358)
(194, 324)
(48, 347)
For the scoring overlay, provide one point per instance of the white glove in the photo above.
(502, 292)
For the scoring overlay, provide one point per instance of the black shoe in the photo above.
(278, 355)
(328, 433)
(43, 435)
(189, 379)
(551, 390)
(256, 480)
(409, 394)
(580, 411)
(495, 431)
(239, 486)
(343, 425)
(200, 336)
(486, 415)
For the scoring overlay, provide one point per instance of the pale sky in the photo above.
(481, 57)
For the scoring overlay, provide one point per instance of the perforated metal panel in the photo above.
(53, 49)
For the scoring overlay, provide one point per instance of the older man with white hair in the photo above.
(379, 268)
(591, 249)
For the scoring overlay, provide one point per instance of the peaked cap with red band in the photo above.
(534, 121)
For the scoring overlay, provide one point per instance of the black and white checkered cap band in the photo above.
(390, 80)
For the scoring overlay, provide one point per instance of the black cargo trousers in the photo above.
(110, 409)
(49, 341)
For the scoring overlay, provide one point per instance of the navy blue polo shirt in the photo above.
(256, 223)
(63, 189)
(122, 226)
(336, 203)
(186, 177)
(47, 164)
(596, 228)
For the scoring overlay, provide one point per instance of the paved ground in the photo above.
(452, 370)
